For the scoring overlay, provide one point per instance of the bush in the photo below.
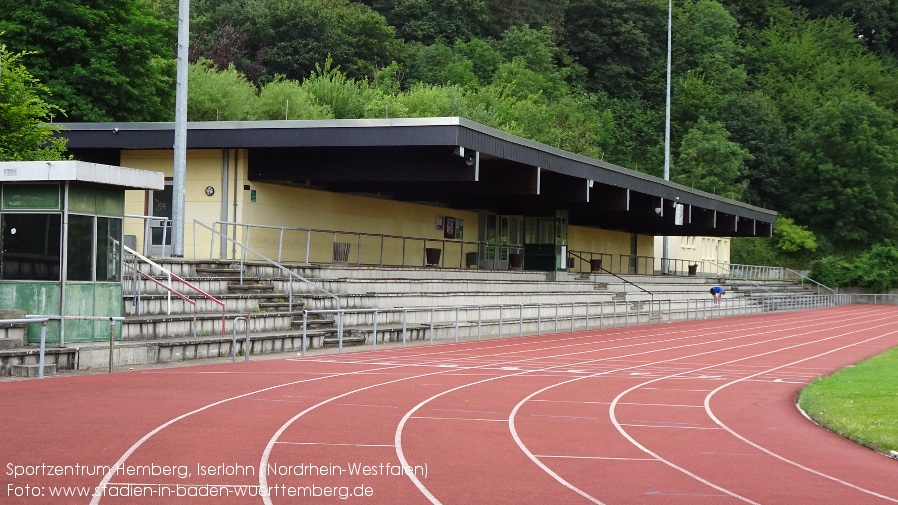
(832, 271)
(877, 268)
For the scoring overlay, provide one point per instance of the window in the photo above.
(109, 235)
(30, 247)
(81, 248)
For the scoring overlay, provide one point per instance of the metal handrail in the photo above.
(171, 290)
(694, 309)
(618, 276)
(721, 268)
(464, 246)
(803, 277)
(290, 273)
(165, 223)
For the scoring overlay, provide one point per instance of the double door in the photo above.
(501, 242)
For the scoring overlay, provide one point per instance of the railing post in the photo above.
(521, 324)
(374, 343)
(431, 326)
(456, 325)
(479, 321)
(111, 343)
(339, 332)
(587, 316)
(404, 325)
(40, 372)
(500, 321)
(305, 321)
(539, 319)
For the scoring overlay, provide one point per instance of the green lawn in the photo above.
(859, 402)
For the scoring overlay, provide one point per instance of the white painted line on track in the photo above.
(469, 411)
(714, 418)
(558, 478)
(368, 405)
(121, 461)
(663, 426)
(623, 432)
(610, 458)
(585, 339)
(432, 418)
(560, 416)
(333, 444)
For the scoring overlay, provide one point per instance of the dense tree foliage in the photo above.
(104, 60)
(25, 134)
(785, 104)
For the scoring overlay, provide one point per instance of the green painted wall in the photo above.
(89, 299)
(96, 200)
(35, 298)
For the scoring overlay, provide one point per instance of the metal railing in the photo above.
(136, 287)
(748, 272)
(149, 222)
(245, 250)
(313, 245)
(43, 342)
(450, 322)
(793, 275)
(626, 281)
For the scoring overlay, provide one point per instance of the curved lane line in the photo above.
(775, 455)
(622, 431)
(535, 459)
(133, 448)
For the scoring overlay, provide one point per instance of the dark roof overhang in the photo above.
(448, 161)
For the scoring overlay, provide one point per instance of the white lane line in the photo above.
(603, 458)
(432, 418)
(613, 417)
(713, 417)
(623, 403)
(529, 454)
(669, 426)
(121, 461)
(333, 444)
(560, 417)
(367, 405)
(469, 411)
(421, 487)
(587, 339)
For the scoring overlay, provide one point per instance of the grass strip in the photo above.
(859, 402)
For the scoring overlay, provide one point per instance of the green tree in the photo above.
(25, 134)
(214, 95)
(266, 38)
(845, 177)
(621, 43)
(709, 161)
(429, 21)
(346, 97)
(105, 60)
(286, 99)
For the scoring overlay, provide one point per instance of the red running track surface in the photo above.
(698, 412)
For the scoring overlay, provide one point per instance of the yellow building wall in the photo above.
(377, 230)
(373, 227)
(706, 252)
(203, 169)
(613, 247)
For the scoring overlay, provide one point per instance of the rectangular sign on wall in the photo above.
(31, 197)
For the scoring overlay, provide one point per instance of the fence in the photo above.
(471, 322)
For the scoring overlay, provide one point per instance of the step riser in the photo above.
(205, 326)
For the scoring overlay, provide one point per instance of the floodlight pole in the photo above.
(665, 260)
(180, 147)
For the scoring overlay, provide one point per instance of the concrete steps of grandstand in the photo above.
(276, 326)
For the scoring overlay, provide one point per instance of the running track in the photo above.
(698, 412)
